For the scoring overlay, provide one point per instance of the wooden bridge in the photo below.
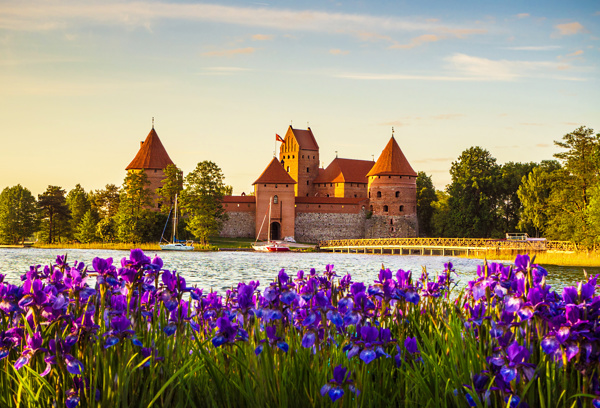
(443, 246)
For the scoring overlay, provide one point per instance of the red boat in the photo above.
(277, 248)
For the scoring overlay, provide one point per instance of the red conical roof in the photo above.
(152, 154)
(274, 174)
(392, 162)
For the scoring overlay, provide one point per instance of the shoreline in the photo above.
(576, 259)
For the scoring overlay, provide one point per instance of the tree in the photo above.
(79, 205)
(509, 204)
(172, 185)
(440, 219)
(134, 202)
(86, 230)
(572, 186)
(18, 214)
(106, 202)
(202, 200)
(55, 214)
(425, 197)
(473, 194)
(534, 193)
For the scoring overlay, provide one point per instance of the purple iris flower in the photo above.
(411, 345)
(334, 389)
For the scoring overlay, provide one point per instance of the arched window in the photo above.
(327, 195)
(401, 208)
(288, 170)
(385, 208)
(275, 199)
(308, 169)
(397, 192)
(379, 194)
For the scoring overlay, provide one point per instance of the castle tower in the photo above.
(299, 156)
(274, 192)
(152, 158)
(393, 184)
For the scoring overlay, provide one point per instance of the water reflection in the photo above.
(221, 270)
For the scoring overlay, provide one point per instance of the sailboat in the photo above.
(174, 244)
(269, 246)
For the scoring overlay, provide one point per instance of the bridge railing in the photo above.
(475, 243)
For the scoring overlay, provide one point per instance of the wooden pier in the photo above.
(443, 246)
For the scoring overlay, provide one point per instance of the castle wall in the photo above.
(317, 226)
(239, 225)
(384, 226)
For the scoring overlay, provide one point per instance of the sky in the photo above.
(80, 82)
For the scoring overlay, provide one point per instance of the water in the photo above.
(221, 270)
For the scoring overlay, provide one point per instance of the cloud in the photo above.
(569, 28)
(462, 67)
(229, 53)
(336, 51)
(262, 37)
(542, 145)
(576, 53)
(522, 15)
(43, 15)
(534, 48)
(417, 41)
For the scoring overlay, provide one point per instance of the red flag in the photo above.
(278, 138)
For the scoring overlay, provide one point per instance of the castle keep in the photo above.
(294, 197)
(348, 199)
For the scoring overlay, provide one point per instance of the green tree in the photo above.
(509, 203)
(172, 185)
(106, 202)
(134, 202)
(473, 194)
(55, 214)
(18, 214)
(440, 219)
(572, 186)
(106, 229)
(79, 205)
(202, 200)
(86, 230)
(425, 197)
(534, 193)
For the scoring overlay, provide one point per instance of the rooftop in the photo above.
(275, 174)
(152, 154)
(392, 162)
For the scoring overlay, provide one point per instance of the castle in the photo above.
(294, 197)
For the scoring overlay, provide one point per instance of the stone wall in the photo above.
(314, 227)
(239, 225)
(384, 226)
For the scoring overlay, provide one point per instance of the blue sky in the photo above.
(81, 81)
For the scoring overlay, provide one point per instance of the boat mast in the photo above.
(269, 228)
(175, 221)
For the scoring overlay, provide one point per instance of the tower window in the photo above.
(327, 195)
(397, 194)
(401, 208)
(288, 169)
(275, 185)
(313, 157)
(303, 156)
(385, 208)
(379, 194)
(307, 182)
(308, 169)
(275, 199)
(293, 156)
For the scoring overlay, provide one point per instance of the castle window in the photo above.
(369, 194)
(275, 185)
(287, 185)
(379, 194)
(354, 195)
(397, 194)
(401, 208)
(313, 157)
(392, 221)
(389, 176)
(288, 169)
(275, 199)
(307, 196)
(155, 170)
(308, 169)
(319, 205)
(265, 185)
(385, 208)
(307, 182)
(327, 195)
(330, 184)
(288, 156)
(303, 156)
(293, 156)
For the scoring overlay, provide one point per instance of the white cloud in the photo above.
(262, 37)
(336, 51)
(415, 42)
(42, 15)
(522, 15)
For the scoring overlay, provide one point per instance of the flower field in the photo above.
(139, 336)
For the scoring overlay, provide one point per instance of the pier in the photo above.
(443, 246)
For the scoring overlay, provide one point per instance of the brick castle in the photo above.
(348, 199)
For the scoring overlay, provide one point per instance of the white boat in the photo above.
(174, 244)
(269, 246)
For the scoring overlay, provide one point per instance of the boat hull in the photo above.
(271, 247)
(176, 247)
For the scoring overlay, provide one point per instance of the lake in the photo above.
(221, 270)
